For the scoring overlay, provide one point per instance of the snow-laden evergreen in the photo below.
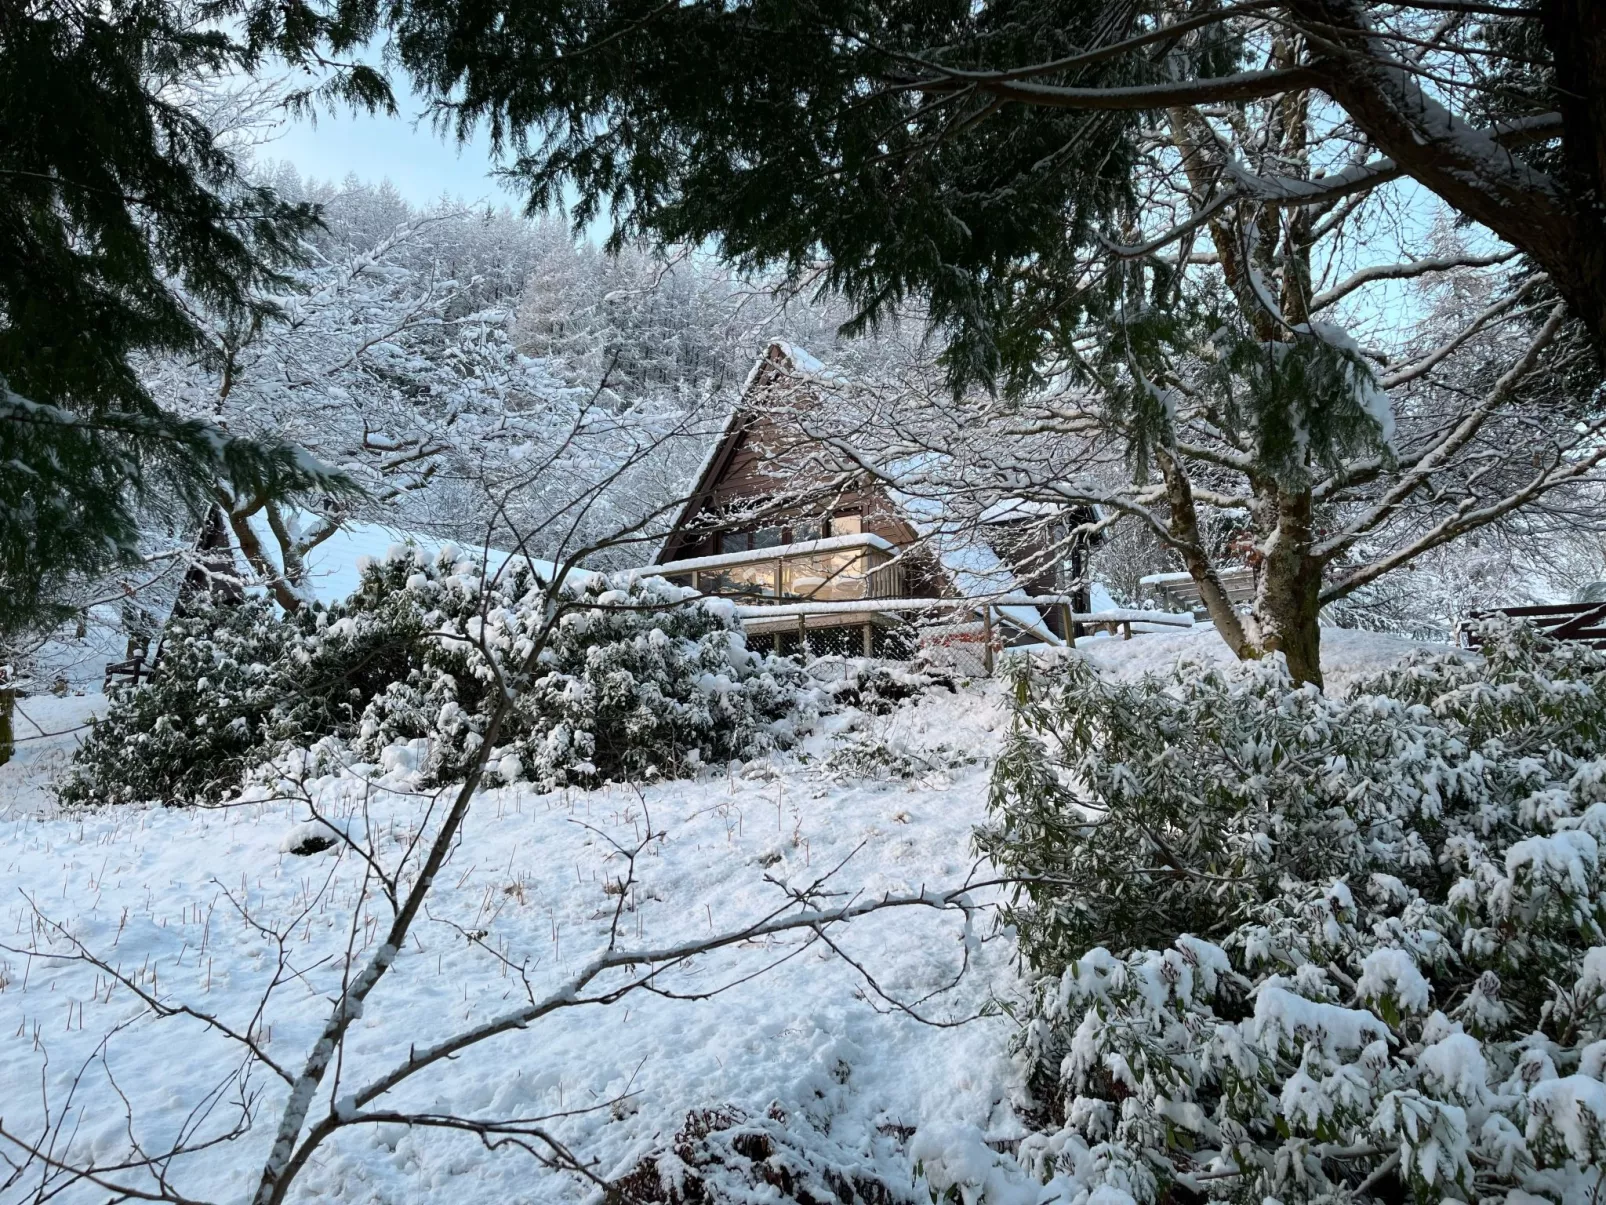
(638, 679)
(1306, 948)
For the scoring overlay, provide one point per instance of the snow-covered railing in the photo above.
(861, 606)
(1180, 590)
(778, 552)
(1015, 610)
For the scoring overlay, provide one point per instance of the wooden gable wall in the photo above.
(760, 456)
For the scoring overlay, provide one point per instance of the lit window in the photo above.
(827, 575)
(756, 579)
(847, 524)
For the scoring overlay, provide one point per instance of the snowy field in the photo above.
(191, 905)
(167, 894)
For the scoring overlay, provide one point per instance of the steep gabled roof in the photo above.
(970, 566)
(779, 361)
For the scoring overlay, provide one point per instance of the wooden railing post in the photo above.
(987, 640)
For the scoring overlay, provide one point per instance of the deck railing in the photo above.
(839, 569)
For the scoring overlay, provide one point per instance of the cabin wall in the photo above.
(765, 461)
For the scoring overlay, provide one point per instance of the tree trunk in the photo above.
(1188, 545)
(1575, 31)
(8, 732)
(283, 592)
(1287, 617)
(1289, 598)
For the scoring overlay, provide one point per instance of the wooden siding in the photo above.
(761, 456)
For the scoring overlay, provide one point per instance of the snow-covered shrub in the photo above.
(864, 755)
(190, 734)
(724, 1157)
(1302, 948)
(876, 687)
(638, 679)
(237, 683)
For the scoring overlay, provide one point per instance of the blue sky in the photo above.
(422, 164)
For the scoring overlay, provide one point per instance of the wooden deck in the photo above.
(1584, 623)
(1180, 592)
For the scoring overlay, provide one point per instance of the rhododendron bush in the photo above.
(1302, 948)
(637, 679)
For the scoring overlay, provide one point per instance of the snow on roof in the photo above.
(1164, 579)
(1011, 510)
(801, 359)
(334, 567)
(974, 569)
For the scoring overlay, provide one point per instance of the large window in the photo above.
(847, 523)
(757, 579)
(826, 575)
(746, 541)
(797, 531)
(780, 562)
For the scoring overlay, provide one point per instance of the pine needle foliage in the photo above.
(120, 213)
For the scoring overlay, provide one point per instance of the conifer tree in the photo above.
(114, 197)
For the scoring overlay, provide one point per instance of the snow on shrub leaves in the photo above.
(1309, 949)
(725, 1157)
(238, 682)
(638, 679)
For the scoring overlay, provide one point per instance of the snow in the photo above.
(1570, 855)
(1457, 1063)
(1391, 973)
(801, 360)
(155, 890)
(1369, 395)
(1164, 579)
(1283, 1014)
(1574, 1108)
(48, 729)
(780, 551)
(1346, 654)
(1592, 980)
(526, 897)
(334, 567)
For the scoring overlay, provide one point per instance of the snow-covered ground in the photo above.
(1346, 654)
(187, 902)
(156, 892)
(48, 730)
